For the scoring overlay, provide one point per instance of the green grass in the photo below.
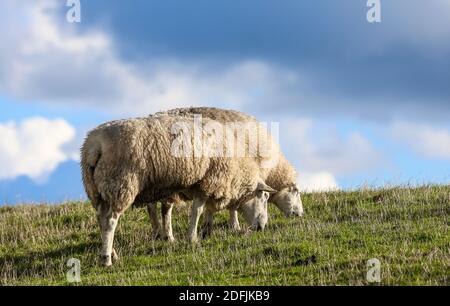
(405, 228)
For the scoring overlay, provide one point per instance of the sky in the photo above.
(358, 103)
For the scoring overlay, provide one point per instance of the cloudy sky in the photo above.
(358, 103)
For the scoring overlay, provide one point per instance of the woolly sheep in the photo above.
(132, 161)
(282, 176)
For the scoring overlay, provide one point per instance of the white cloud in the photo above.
(320, 153)
(52, 63)
(319, 181)
(33, 147)
(428, 141)
(320, 147)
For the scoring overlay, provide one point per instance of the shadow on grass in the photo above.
(40, 264)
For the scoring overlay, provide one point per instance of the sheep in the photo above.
(282, 176)
(133, 162)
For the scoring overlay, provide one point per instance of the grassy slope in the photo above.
(406, 229)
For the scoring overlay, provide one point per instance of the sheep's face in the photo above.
(288, 200)
(255, 210)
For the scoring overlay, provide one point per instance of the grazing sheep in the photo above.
(133, 161)
(281, 176)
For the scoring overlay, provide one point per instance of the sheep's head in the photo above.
(288, 200)
(255, 209)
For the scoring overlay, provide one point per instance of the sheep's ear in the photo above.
(263, 187)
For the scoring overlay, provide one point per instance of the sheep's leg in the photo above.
(166, 212)
(152, 213)
(196, 211)
(108, 222)
(234, 221)
(208, 225)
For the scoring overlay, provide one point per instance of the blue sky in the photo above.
(358, 102)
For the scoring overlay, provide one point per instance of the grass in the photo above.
(405, 228)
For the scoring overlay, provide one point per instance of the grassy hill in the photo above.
(405, 228)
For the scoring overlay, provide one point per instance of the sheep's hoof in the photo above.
(106, 260)
(114, 255)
